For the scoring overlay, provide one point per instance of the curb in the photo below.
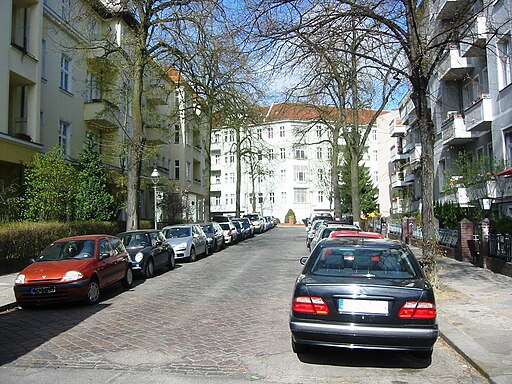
(8, 306)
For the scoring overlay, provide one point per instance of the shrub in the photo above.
(288, 214)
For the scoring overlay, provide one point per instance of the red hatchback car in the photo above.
(74, 268)
(369, 235)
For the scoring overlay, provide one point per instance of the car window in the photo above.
(104, 247)
(131, 240)
(161, 237)
(367, 262)
(117, 246)
(74, 249)
(225, 226)
(178, 232)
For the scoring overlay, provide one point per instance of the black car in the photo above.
(363, 293)
(148, 250)
(215, 235)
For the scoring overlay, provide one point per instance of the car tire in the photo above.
(193, 256)
(93, 292)
(299, 348)
(150, 269)
(128, 279)
(171, 264)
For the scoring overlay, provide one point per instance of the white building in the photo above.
(293, 149)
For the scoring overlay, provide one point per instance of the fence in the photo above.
(500, 246)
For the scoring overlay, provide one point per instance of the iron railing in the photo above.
(500, 246)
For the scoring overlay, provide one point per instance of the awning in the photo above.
(506, 172)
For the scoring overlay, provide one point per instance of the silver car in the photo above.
(187, 240)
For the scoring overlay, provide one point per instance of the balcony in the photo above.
(101, 115)
(453, 66)
(156, 135)
(474, 42)
(479, 116)
(454, 131)
(460, 196)
(414, 152)
(397, 180)
(449, 9)
(397, 154)
(396, 128)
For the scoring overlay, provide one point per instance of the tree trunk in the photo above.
(208, 166)
(335, 171)
(238, 171)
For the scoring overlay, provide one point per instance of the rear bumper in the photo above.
(364, 336)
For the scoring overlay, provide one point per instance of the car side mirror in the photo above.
(303, 260)
(30, 261)
(104, 255)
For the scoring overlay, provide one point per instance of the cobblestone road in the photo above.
(223, 316)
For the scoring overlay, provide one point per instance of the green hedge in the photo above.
(20, 242)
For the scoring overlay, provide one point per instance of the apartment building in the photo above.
(59, 86)
(471, 106)
(288, 166)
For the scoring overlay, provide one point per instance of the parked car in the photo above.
(318, 216)
(239, 230)
(269, 223)
(326, 228)
(187, 240)
(230, 232)
(344, 233)
(215, 235)
(148, 250)
(74, 268)
(310, 234)
(247, 227)
(363, 293)
(256, 221)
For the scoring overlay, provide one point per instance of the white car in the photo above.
(230, 232)
(187, 240)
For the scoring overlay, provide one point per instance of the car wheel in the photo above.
(128, 279)
(299, 348)
(150, 269)
(171, 264)
(192, 256)
(93, 292)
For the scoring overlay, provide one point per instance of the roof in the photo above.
(302, 111)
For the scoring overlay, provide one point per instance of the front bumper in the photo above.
(64, 292)
(417, 338)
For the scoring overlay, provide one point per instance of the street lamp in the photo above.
(155, 178)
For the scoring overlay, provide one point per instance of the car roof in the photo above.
(135, 231)
(349, 233)
(361, 241)
(84, 237)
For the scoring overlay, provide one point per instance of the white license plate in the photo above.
(379, 307)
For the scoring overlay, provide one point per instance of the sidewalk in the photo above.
(474, 313)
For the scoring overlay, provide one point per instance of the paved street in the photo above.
(222, 319)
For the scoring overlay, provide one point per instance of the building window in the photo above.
(216, 200)
(216, 159)
(329, 153)
(231, 136)
(260, 156)
(232, 198)
(217, 178)
(232, 177)
(504, 63)
(318, 131)
(271, 197)
(271, 174)
(319, 153)
(320, 196)
(282, 153)
(216, 138)
(232, 158)
(65, 73)
(271, 154)
(226, 137)
(64, 136)
(375, 176)
(92, 89)
(66, 9)
(375, 156)
(281, 132)
(283, 197)
(299, 195)
(44, 53)
(271, 133)
(188, 171)
(259, 133)
(300, 153)
(177, 169)
(374, 134)
(260, 198)
(300, 172)
(176, 134)
(320, 174)
(283, 174)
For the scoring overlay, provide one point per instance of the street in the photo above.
(221, 319)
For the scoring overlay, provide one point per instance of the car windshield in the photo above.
(73, 249)
(208, 228)
(178, 232)
(363, 262)
(134, 240)
(225, 226)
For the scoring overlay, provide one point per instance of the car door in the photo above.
(106, 267)
(199, 239)
(120, 259)
(157, 249)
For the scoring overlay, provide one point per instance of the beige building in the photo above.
(58, 86)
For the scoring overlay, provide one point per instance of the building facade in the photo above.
(288, 164)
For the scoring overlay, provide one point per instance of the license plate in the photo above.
(379, 307)
(42, 290)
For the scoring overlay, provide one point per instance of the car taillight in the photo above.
(418, 310)
(310, 304)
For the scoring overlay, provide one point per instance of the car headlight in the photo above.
(20, 279)
(181, 246)
(139, 256)
(72, 275)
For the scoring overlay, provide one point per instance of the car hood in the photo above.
(132, 251)
(177, 240)
(55, 270)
